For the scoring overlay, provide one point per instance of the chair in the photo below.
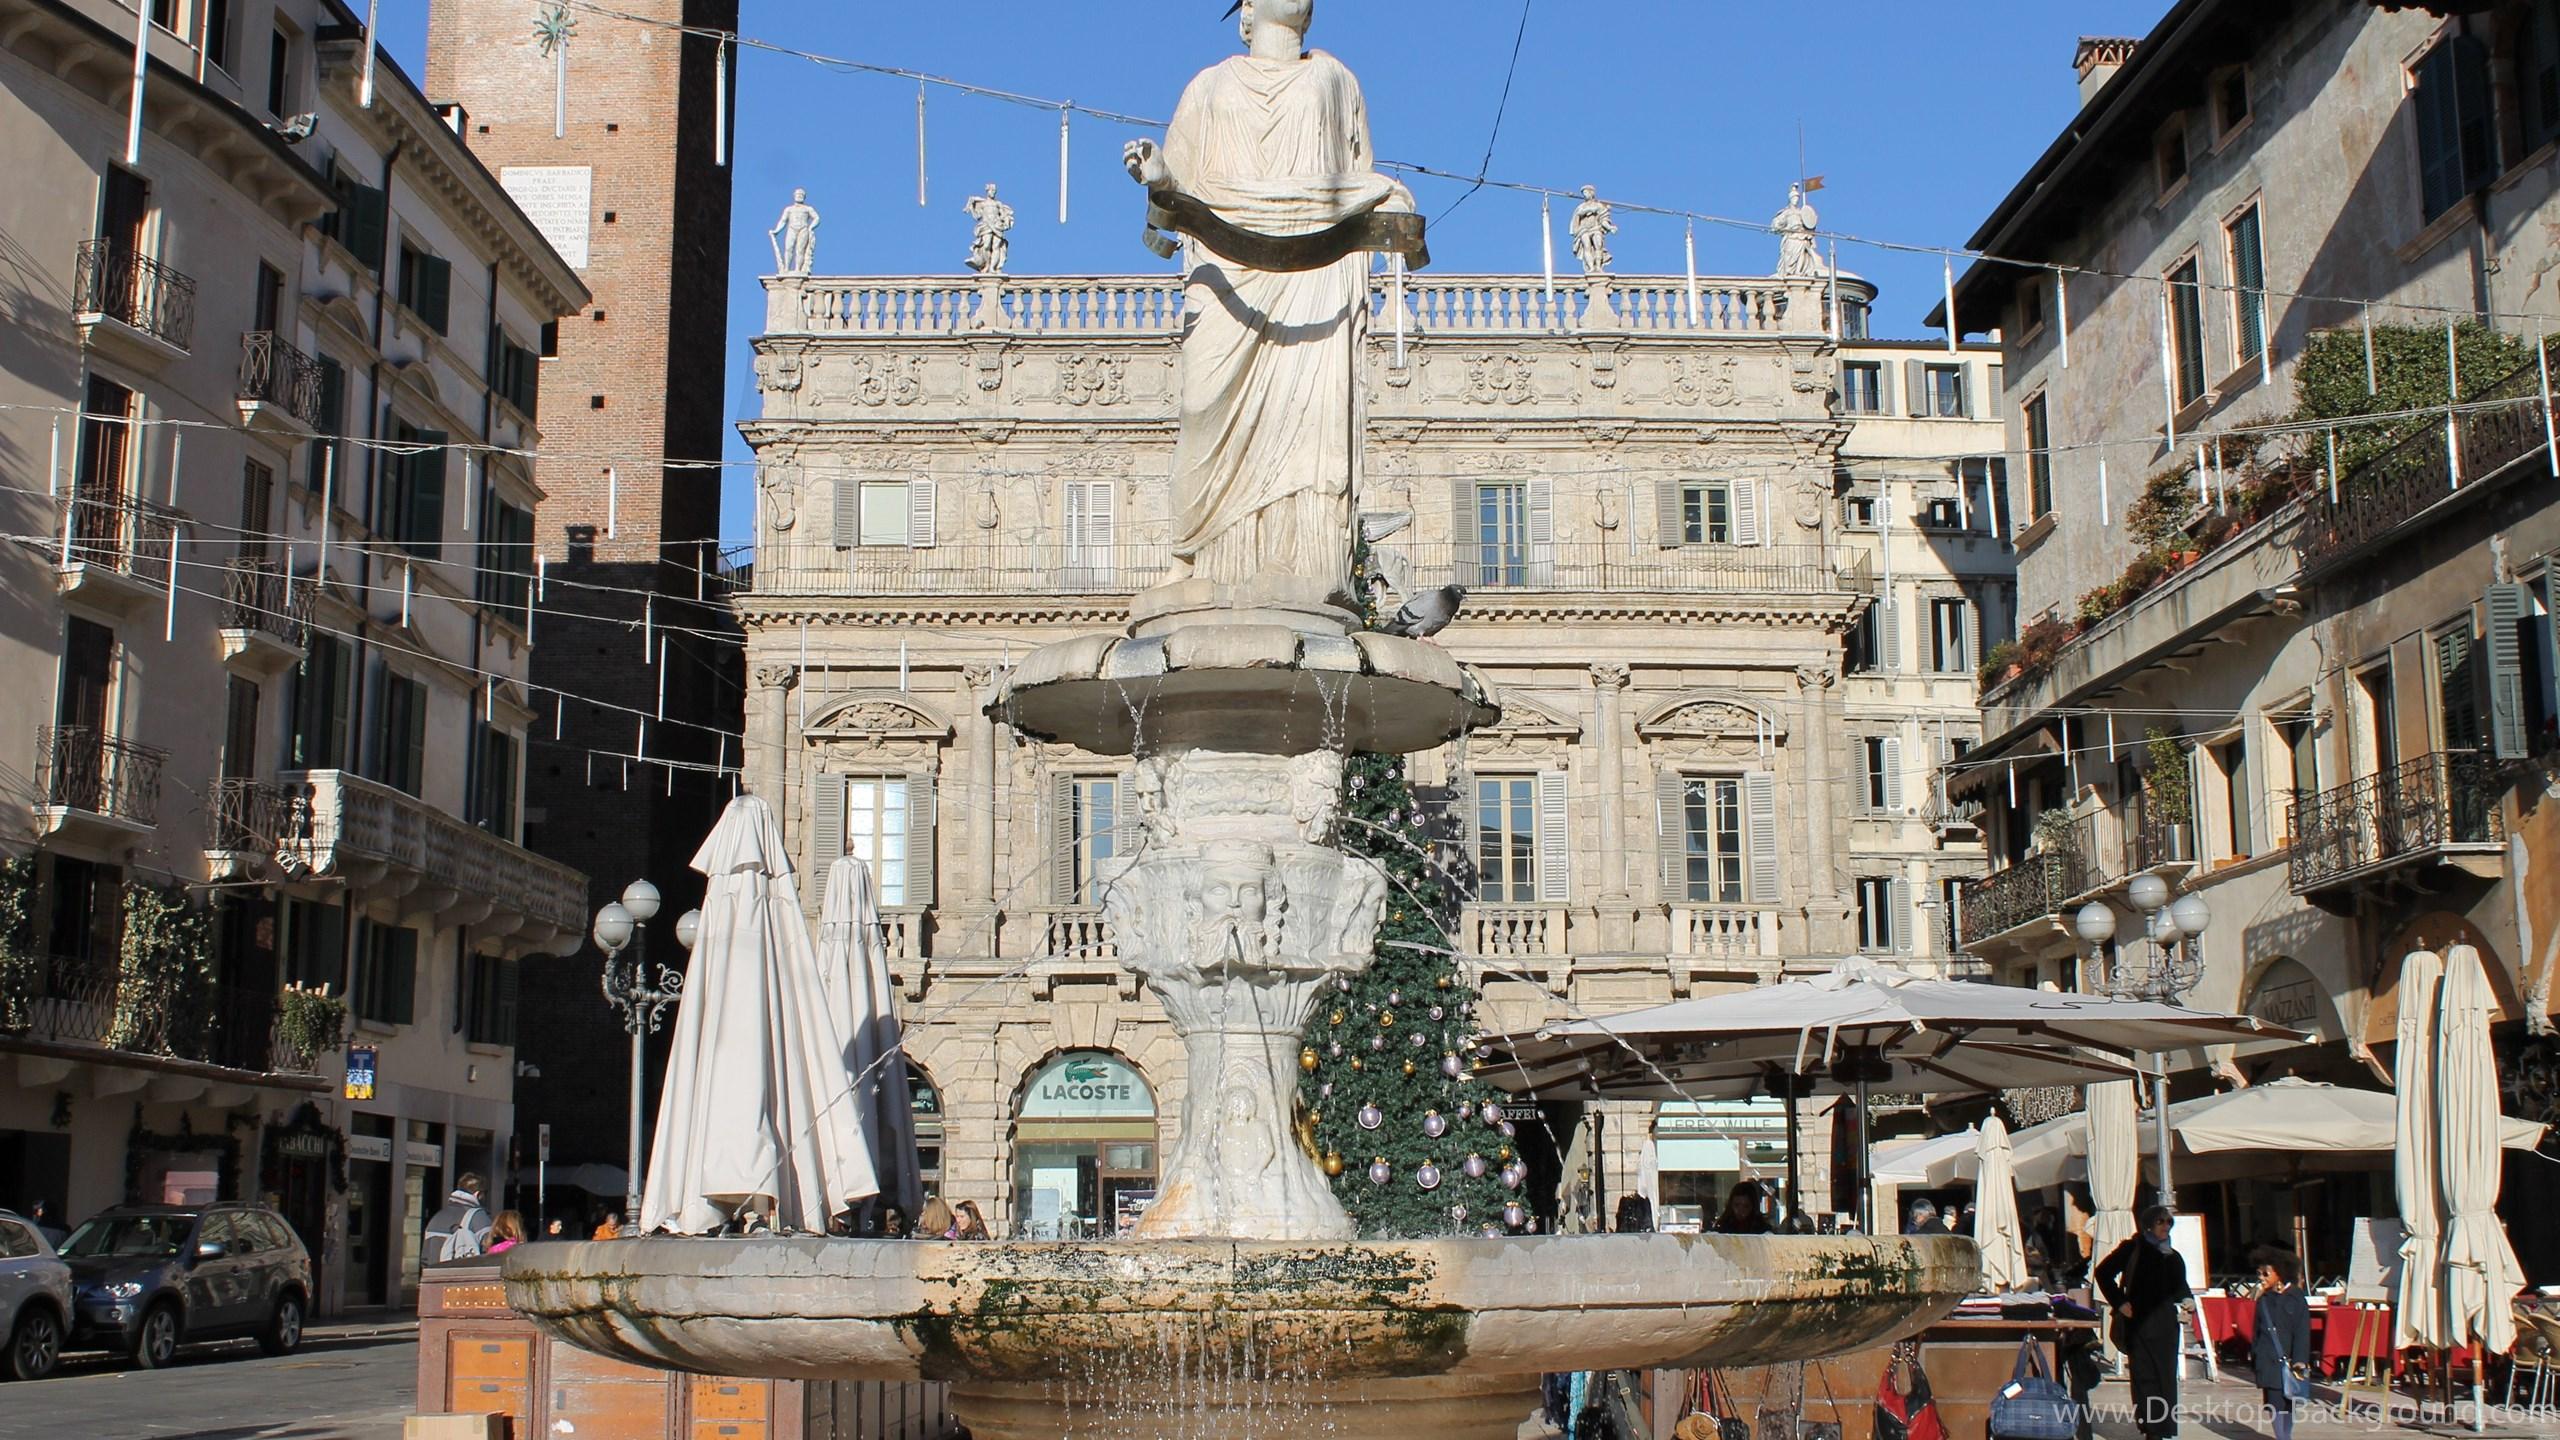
(2546, 1327)
(2536, 1352)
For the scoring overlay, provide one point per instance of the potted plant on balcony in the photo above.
(309, 1023)
(164, 974)
(21, 969)
(2168, 794)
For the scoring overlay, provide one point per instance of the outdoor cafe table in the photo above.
(2231, 1323)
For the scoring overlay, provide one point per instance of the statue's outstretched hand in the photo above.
(1146, 163)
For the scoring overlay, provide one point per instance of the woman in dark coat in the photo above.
(2283, 1338)
(2145, 1282)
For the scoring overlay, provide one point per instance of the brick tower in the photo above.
(631, 405)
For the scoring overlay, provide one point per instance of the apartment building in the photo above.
(1676, 534)
(268, 622)
(2313, 682)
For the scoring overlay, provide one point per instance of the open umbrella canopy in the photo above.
(853, 963)
(1899, 1033)
(756, 1111)
(1908, 1162)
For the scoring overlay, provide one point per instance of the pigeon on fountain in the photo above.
(1427, 614)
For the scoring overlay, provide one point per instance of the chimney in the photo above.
(456, 119)
(2098, 60)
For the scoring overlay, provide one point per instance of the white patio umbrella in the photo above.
(2413, 1166)
(1995, 1212)
(2481, 1275)
(755, 1109)
(853, 963)
(1914, 1162)
(2115, 1166)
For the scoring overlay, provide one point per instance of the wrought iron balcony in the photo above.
(116, 547)
(134, 291)
(276, 378)
(2413, 476)
(338, 824)
(2035, 889)
(266, 620)
(82, 772)
(2431, 810)
(92, 1003)
(245, 821)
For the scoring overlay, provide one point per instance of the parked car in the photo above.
(147, 1278)
(35, 1299)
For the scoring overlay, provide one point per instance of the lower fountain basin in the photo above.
(1445, 1338)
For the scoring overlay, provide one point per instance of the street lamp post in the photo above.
(642, 997)
(2174, 970)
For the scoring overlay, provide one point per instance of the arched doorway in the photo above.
(1084, 1147)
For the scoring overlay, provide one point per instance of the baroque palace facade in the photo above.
(1731, 575)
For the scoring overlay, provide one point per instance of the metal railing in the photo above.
(134, 289)
(1602, 566)
(256, 597)
(2412, 812)
(70, 1001)
(118, 533)
(274, 372)
(247, 817)
(79, 768)
(1043, 569)
(2396, 486)
(2034, 889)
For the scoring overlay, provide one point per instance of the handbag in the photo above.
(2297, 1385)
(2033, 1405)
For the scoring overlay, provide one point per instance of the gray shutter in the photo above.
(848, 513)
(1915, 388)
(1746, 512)
(1125, 836)
(1542, 532)
(1964, 391)
(1892, 762)
(1889, 636)
(826, 832)
(1555, 865)
(1462, 529)
(1062, 840)
(1991, 389)
(1974, 639)
(920, 514)
(1666, 511)
(1671, 834)
(2505, 610)
(1898, 914)
(1760, 818)
(921, 834)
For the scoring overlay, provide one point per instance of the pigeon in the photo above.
(1427, 614)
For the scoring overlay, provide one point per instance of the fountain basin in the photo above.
(1146, 1339)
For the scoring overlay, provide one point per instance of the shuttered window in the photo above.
(398, 739)
(2039, 438)
(1508, 534)
(1862, 387)
(1881, 927)
(2538, 74)
(409, 503)
(1713, 841)
(2458, 685)
(2186, 330)
(489, 1000)
(885, 512)
(1880, 774)
(2457, 134)
(322, 692)
(1950, 636)
(1093, 836)
(2248, 285)
(426, 287)
(1092, 533)
(886, 822)
(2506, 641)
(386, 973)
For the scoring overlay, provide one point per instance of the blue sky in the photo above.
(1921, 116)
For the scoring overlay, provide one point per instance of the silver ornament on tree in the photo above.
(1515, 1214)
(1453, 1067)
(1380, 1172)
(1475, 1166)
(1428, 1177)
(1434, 1124)
(1371, 1117)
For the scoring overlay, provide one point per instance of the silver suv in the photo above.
(147, 1277)
(35, 1300)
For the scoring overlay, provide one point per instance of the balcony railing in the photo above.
(1514, 932)
(2413, 813)
(2033, 889)
(1077, 933)
(78, 768)
(1601, 566)
(1723, 932)
(92, 1003)
(246, 817)
(1050, 569)
(256, 597)
(274, 372)
(2396, 486)
(137, 291)
(339, 824)
(1139, 306)
(129, 537)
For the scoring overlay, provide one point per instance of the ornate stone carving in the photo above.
(1611, 675)
(873, 382)
(878, 717)
(1093, 379)
(1500, 380)
(778, 371)
(1799, 255)
(1705, 382)
(795, 236)
(1708, 716)
(1592, 227)
(1819, 676)
(781, 486)
(990, 225)
(1211, 793)
(776, 677)
(1808, 498)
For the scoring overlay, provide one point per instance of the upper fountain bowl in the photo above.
(1032, 1335)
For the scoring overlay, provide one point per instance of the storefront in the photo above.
(1084, 1146)
(1701, 1151)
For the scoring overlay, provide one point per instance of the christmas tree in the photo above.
(1415, 1143)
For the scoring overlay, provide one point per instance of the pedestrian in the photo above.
(893, 1223)
(1924, 1219)
(2281, 1350)
(458, 1231)
(1742, 1212)
(2082, 1212)
(506, 1232)
(936, 1221)
(608, 1225)
(973, 1226)
(2145, 1282)
(40, 1215)
(558, 1229)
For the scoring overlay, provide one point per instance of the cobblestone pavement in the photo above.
(345, 1383)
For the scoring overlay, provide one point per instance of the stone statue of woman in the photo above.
(1273, 143)
(1799, 257)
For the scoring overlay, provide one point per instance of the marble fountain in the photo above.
(1244, 1306)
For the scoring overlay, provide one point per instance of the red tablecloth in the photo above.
(2230, 1319)
(2231, 1323)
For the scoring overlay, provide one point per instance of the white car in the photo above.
(35, 1300)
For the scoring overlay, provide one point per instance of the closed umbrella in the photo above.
(2413, 1160)
(1995, 1212)
(853, 963)
(2115, 1165)
(2481, 1275)
(755, 1109)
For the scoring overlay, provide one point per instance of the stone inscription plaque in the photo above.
(559, 200)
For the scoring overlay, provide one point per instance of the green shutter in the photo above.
(504, 1031)
(422, 528)
(403, 968)
(414, 763)
(434, 302)
(2507, 609)
(362, 225)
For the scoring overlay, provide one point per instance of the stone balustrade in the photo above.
(1087, 306)
(1724, 932)
(341, 824)
(1514, 932)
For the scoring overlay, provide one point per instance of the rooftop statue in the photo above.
(992, 223)
(795, 236)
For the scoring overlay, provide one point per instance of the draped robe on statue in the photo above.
(1266, 472)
